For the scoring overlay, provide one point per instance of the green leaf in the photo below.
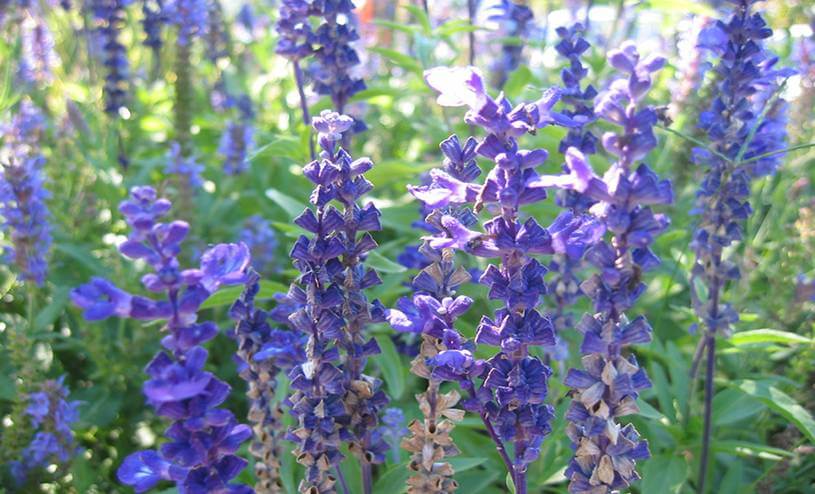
(462, 464)
(649, 412)
(781, 403)
(286, 146)
(664, 474)
(227, 295)
(394, 480)
(751, 450)
(732, 405)
(382, 264)
(510, 483)
(49, 314)
(420, 16)
(392, 369)
(82, 255)
(399, 59)
(768, 336)
(292, 206)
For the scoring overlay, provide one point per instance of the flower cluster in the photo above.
(393, 430)
(23, 195)
(333, 401)
(329, 43)
(261, 239)
(262, 354)
(51, 415)
(579, 102)
(217, 34)
(745, 125)
(514, 20)
(691, 66)
(37, 57)
(190, 17)
(184, 167)
(608, 385)
(238, 138)
(199, 456)
(153, 20)
(511, 397)
(432, 313)
(109, 16)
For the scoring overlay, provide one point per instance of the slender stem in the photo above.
(298, 77)
(341, 478)
(520, 471)
(711, 366)
(367, 478)
(425, 7)
(471, 34)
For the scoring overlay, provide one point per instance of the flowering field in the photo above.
(356, 247)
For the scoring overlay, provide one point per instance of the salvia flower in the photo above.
(23, 195)
(514, 21)
(262, 354)
(261, 239)
(334, 54)
(432, 313)
(190, 17)
(610, 381)
(333, 400)
(216, 35)
(745, 122)
(199, 455)
(745, 128)
(238, 139)
(294, 29)
(185, 167)
(110, 20)
(37, 58)
(153, 20)
(579, 103)
(51, 416)
(393, 430)
(511, 397)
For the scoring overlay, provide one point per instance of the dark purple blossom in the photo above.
(153, 20)
(333, 401)
(109, 16)
(190, 17)
(199, 456)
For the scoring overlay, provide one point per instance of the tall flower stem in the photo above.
(298, 78)
(471, 35)
(711, 367)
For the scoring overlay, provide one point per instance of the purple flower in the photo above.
(202, 438)
(23, 196)
(610, 381)
(514, 20)
(189, 16)
(262, 354)
(37, 57)
(261, 240)
(333, 400)
(510, 397)
(236, 142)
(109, 16)
(183, 166)
(51, 416)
